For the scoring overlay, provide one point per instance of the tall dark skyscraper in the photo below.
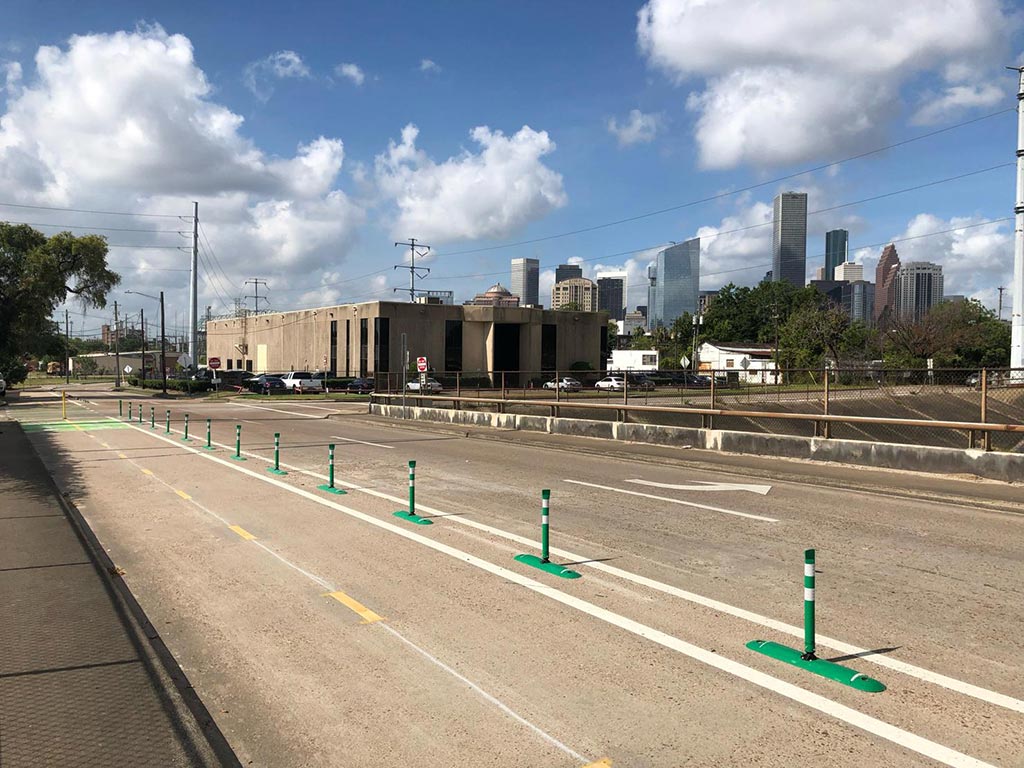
(789, 238)
(567, 272)
(837, 243)
(675, 283)
(526, 281)
(609, 297)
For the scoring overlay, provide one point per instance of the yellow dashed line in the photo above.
(369, 617)
(121, 455)
(241, 531)
(602, 763)
(146, 471)
(183, 495)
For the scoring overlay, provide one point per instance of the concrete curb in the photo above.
(1005, 467)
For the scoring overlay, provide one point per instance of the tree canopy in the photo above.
(38, 274)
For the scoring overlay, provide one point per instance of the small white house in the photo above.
(633, 360)
(753, 363)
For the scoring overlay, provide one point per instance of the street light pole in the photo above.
(163, 344)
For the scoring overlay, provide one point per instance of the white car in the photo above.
(433, 386)
(566, 384)
(614, 383)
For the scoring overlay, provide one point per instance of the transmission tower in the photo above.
(415, 249)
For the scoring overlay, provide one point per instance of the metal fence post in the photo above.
(986, 435)
(826, 428)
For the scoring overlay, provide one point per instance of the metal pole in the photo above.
(163, 344)
(142, 373)
(193, 287)
(117, 349)
(987, 436)
(827, 426)
(67, 350)
(1017, 313)
(808, 653)
(545, 503)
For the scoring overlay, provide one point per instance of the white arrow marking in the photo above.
(707, 486)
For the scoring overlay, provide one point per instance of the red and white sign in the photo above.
(214, 363)
(421, 364)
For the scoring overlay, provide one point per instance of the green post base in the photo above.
(186, 439)
(413, 518)
(535, 562)
(828, 669)
(209, 448)
(328, 489)
(237, 458)
(273, 471)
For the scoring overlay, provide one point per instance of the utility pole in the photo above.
(163, 344)
(193, 288)
(142, 373)
(256, 282)
(1017, 315)
(414, 271)
(67, 350)
(999, 314)
(117, 349)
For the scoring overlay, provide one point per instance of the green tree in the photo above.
(570, 306)
(812, 334)
(37, 274)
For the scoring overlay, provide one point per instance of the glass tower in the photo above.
(837, 243)
(675, 283)
(610, 297)
(789, 239)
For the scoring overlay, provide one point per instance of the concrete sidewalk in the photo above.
(80, 682)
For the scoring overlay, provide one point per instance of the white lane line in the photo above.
(362, 442)
(676, 501)
(317, 407)
(706, 485)
(925, 675)
(278, 410)
(827, 706)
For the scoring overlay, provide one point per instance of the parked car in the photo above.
(695, 381)
(566, 384)
(3, 387)
(301, 381)
(265, 384)
(614, 383)
(361, 386)
(433, 386)
(639, 381)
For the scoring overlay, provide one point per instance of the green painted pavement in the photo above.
(71, 426)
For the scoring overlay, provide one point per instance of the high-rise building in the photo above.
(819, 274)
(919, 287)
(837, 244)
(567, 272)
(849, 271)
(885, 285)
(526, 281)
(859, 301)
(611, 295)
(675, 283)
(704, 300)
(575, 290)
(789, 238)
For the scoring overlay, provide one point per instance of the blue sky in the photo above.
(121, 120)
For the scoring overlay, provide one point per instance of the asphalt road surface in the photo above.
(321, 630)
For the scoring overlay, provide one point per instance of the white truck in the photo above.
(301, 381)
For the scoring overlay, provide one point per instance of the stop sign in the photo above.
(214, 363)
(421, 364)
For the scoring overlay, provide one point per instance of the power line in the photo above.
(97, 229)
(722, 195)
(86, 210)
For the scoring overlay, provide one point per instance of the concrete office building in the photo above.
(675, 283)
(567, 272)
(576, 290)
(611, 293)
(885, 285)
(837, 244)
(849, 271)
(919, 287)
(365, 339)
(789, 238)
(526, 281)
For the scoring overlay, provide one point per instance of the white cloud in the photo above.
(12, 77)
(640, 128)
(487, 194)
(430, 66)
(259, 75)
(352, 71)
(126, 122)
(787, 82)
(957, 98)
(738, 249)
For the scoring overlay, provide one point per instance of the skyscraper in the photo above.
(526, 280)
(919, 287)
(789, 238)
(675, 283)
(837, 244)
(567, 272)
(849, 271)
(610, 296)
(859, 301)
(575, 290)
(885, 285)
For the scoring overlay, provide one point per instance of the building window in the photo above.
(548, 347)
(453, 345)
(248, 365)
(238, 364)
(230, 361)
(648, 360)
(333, 369)
(364, 345)
(730, 362)
(381, 344)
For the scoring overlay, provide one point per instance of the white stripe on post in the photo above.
(808, 595)
(809, 569)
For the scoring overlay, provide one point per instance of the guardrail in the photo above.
(822, 422)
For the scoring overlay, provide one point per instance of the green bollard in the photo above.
(120, 408)
(185, 438)
(129, 410)
(140, 413)
(808, 654)
(543, 562)
(152, 417)
(329, 488)
(411, 515)
(167, 428)
(276, 469)
(238, 444)
(209, 445)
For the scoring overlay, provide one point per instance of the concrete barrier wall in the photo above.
(1008, 467)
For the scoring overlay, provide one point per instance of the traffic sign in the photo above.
(421, 364)
(127, 369)
(214, 363)
(184, 360)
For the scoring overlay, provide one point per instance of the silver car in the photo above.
(433, 386)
